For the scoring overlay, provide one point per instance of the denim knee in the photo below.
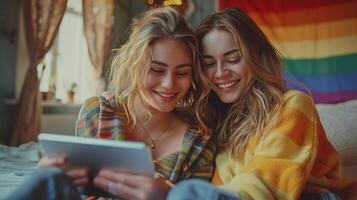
(48, 173)
(47, 183)
(320, 196)
(198, 189)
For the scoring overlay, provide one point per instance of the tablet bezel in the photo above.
(96, 153)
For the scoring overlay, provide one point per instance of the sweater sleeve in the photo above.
(88, 118)
(277, 165)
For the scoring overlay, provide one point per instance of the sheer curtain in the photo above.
(98, 22)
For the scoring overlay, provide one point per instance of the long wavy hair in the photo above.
(259, 107)
(130, 63)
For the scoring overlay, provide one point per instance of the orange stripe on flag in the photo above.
(312, 32)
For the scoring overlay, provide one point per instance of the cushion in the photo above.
(340, 123)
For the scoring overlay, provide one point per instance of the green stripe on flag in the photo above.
(322, 66)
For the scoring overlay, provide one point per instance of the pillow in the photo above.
(340, 124)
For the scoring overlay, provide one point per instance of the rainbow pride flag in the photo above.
(317, 38)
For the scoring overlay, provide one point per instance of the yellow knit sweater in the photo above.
(294, 157)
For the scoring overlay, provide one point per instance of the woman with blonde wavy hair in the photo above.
(154, 85)
(271, 142)
(155, 82)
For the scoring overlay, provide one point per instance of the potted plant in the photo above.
(71, 92)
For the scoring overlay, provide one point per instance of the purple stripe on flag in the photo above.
(334, 97)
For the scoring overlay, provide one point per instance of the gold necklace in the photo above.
(153, 144)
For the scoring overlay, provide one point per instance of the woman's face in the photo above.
(223, 65)
(169, 76)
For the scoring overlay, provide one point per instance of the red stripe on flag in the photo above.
(269, 6)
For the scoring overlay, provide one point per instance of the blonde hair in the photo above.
(258, 109)
(130, 64)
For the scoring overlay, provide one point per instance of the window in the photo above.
(68, 67)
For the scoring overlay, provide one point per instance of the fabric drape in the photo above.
(98, 22)
(317, 38)
(42, 19)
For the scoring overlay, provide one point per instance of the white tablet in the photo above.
(94, 153)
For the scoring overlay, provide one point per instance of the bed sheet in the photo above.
(16, 165)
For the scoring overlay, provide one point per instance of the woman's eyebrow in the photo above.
(159, 63)
(184, 65)
(231, 52)
(165, 65)
(225, 54)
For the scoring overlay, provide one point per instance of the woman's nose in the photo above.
(168, 81)
(221, 71)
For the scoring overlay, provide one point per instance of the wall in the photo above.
(9, 16)
(59, 118)
(202, 9)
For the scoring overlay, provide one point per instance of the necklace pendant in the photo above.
(152, 145)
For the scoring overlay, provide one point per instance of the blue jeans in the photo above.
(49, 184)
(197, 189)
(52, 184)
(320, 196)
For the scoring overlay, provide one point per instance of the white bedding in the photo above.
(16, 165)
(340, 123)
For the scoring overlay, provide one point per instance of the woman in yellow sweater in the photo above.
(272, 143)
